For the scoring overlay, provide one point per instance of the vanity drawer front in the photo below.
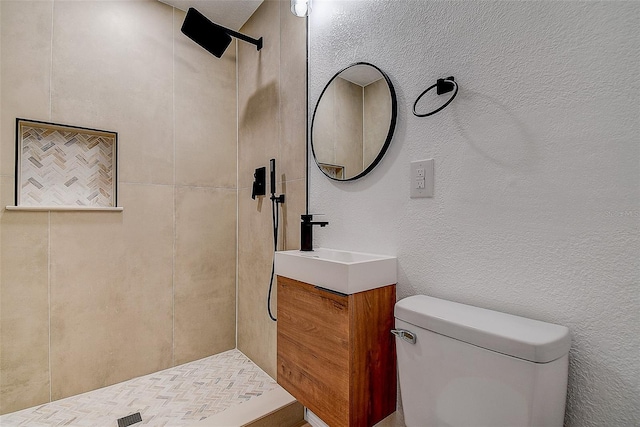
(313, 349)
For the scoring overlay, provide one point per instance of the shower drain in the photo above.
(129, 420)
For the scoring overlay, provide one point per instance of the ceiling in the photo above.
(228, 13)
(361, 74)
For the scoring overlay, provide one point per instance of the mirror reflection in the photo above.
(353, 122)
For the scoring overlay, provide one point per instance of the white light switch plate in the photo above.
(421, 179)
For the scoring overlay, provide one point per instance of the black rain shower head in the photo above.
(213, 37)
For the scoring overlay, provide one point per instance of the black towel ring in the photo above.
(442, 86)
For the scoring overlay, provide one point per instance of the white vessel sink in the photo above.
(341, 271)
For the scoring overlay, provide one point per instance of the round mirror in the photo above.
(353, 122)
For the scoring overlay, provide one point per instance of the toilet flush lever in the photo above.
(405, 335)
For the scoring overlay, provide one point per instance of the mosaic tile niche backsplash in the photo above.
(65, 166)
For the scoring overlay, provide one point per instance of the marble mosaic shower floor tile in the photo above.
(174, 397)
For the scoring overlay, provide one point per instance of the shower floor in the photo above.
(179, 396)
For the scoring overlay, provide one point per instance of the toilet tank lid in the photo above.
(516, 336)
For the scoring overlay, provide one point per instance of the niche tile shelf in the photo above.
(61, 167)
(63, 208)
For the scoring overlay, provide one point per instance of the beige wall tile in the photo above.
(377, 117)
(295, 206)
(25, 29)
(24, 312)
(258, 141)
(111, 291)
(205, 272)
(293, 102)
(271, 124)
(112, 70)
(6, 193)
(323, 135)
(206, 113)
(258, 93)
(258, 137)
(256, 332)
(348, 123)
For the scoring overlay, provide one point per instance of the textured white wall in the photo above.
(537, 170)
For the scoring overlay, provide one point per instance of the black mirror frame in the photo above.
(392, 124)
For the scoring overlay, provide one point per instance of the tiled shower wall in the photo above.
(271, 124)
(89, 299)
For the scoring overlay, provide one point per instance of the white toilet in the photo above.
(461, 365)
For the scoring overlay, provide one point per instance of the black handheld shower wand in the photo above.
(272, 172)
(272, 176)
(275, 201)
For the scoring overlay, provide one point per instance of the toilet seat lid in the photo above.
(515, 336)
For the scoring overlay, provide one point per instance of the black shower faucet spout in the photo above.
(306, 231)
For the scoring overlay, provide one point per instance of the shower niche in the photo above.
(62, 167)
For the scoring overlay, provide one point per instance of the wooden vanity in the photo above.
(336, 354)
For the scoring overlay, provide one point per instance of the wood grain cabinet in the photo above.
(336, 354)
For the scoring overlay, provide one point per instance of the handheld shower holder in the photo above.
(277, 199)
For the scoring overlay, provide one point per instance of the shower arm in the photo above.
(257, 42)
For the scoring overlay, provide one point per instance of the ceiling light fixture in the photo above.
(301, 8)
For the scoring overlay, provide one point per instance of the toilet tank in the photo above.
(469, 366)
